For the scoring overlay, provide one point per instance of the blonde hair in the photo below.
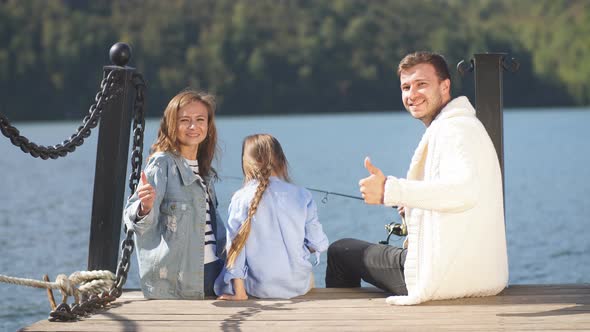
(167, 140)
(262, 155)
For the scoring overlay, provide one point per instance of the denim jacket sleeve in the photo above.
(156, 173)
(238, 211)
(315, 238)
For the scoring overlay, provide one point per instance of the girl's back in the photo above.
(274, 262)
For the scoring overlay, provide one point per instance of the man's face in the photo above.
(423, 94)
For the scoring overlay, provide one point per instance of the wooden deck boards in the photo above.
(520, 307)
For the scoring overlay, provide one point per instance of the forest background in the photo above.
(284, 56)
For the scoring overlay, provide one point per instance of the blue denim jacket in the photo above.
(170, 239)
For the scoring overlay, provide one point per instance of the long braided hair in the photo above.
(262, 156)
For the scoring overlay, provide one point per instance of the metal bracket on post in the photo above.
(111, 166)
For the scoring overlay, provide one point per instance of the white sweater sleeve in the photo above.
(454, 187)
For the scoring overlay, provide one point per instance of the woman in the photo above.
(179, 235)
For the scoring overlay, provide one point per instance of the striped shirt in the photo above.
(210, 242)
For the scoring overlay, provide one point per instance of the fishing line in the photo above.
(325, 192)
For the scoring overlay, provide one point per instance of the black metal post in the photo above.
(488, 98)
(111, 167)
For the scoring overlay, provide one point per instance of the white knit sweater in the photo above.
(454, 210)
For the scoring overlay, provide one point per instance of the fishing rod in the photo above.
(393, 228)
(325, 192)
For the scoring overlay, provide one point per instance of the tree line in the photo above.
(283, 56)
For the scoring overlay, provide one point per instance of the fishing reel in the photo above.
(395, 229)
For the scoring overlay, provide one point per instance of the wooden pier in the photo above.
(519, 307)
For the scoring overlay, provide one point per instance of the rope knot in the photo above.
(66, 287)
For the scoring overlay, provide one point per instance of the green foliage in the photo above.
(271, 56)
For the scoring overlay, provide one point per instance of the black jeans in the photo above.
(350, 260)
(212, 270)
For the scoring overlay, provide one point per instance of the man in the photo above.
(451, 199)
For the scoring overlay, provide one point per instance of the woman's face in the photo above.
(191, 127)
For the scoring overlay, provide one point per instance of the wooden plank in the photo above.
(520, 307)
(368, 318)
(341, 325)
(536, 290)
(350, 310)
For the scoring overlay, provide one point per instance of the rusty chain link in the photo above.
(108, 91)
(87, 304)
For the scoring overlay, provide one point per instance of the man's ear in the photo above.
(445, 87)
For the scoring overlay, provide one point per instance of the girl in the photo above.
(178, 232)
(273, 226)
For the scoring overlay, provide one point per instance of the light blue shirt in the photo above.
(274, 263)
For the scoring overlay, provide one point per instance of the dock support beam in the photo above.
(111, 169)
(489, 99)
(488, 68)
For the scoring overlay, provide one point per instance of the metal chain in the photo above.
(89, 304)
(128, 244)
(108, 91)
(138, 129)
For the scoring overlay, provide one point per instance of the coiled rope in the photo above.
(91, 282)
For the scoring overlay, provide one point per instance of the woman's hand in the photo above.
(146, 194)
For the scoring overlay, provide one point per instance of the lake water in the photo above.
(45, 206)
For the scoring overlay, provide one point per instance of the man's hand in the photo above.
(372, 187)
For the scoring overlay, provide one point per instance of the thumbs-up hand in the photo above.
(372, 187)
(146, 194)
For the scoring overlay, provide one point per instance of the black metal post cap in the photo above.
(120, 54)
